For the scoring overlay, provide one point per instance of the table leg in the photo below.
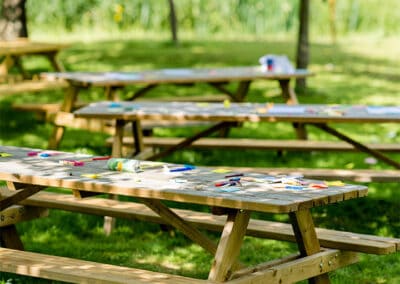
(111, 93)
(357, 145)
(6, 64)
(176, 221)
(57, 65)
(118, 137)
(137, 132)
(109, 222)
(141, 92)
(306, 237)
(22, 191)
(70, 97)
(20, 66)
(9, 236)
(190, 140)
(229, 245)
(290, 98)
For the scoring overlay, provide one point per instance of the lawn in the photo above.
(355, 71)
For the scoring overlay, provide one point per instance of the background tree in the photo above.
(302, 56)
(173, 21)
(13, 19)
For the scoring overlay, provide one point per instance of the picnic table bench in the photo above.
(26, 174)
(12, 51)
(218, 78)
(11, 55)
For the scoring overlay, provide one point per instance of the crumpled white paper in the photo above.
(276, 63)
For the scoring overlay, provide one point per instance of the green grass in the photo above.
(358, 71)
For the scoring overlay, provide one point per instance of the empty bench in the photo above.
(257, 144)
(30, 86)
(80, 271)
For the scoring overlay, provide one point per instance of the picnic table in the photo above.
(12, 51)
(29, 171)
(218, 77)
(11, 55)
(321, 116)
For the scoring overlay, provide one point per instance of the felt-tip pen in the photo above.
(182, 169)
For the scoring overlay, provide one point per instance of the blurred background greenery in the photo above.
(205, 17)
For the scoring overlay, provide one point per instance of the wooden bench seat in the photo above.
(258, 144)
(80, 271)
(31, 86)
(258, 228)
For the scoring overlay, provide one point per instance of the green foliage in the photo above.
(206, 17)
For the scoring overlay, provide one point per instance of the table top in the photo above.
(255, 112)
(181, 183)
(26, 46)
(175, 75)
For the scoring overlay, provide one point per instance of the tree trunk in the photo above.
(173, 21)
(302, 56)
(13, 20)
(332, 19)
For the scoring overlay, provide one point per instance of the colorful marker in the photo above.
(182, 169)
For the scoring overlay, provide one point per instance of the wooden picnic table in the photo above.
(318, 115)
(28, 171)
(12, 51)
(218, 77)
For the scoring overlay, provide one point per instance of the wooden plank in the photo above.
(19, 195)
(201, 98)
(47, 108)
(261, 144)
(80, 271)
(31, 86)
(9, 238)
(300, 269)
(358, 175)
(176, 221)
(19, 213)
(229, 245)
(23, 46)
(257, 228)
(307, 240)
(198, 187)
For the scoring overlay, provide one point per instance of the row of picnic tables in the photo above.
(27, 171)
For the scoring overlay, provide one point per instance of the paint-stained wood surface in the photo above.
(176, 76)
(256, 192)
(241, 112)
